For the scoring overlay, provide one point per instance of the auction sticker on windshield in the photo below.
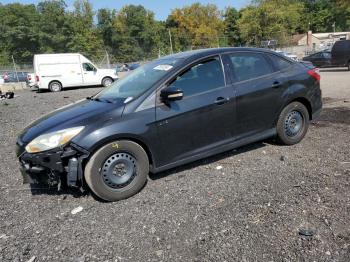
(163, 67)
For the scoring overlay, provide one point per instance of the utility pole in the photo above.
(171, 42)
(14, 67)
(108, 62)
(333, 31)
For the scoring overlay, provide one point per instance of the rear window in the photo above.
(279, 62)
(249, 65)
(341, 45)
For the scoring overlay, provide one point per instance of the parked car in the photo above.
(127, 67)
(169, 112)
(341, 54)
(57, 71)
(287, 54)
(2, 80)
(320, 59)
(12, 77)
(31, 81)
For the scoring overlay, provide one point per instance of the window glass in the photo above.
(202, 77)
(139, 80)
(249, 65)
(280, 63)
(317, 55)
(327, 55)
(88, 67)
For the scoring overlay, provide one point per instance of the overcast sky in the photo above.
(161, 8)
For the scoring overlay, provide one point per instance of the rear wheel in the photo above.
(118, 170)
(292, 124)
(55, 86)
(107, 81)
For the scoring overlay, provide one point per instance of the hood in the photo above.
(88, 113)
(108, 71)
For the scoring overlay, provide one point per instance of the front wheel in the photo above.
(292, 124)
(117, 171)
(107, 81)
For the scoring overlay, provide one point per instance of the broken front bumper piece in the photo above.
(54, 166)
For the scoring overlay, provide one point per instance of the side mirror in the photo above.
(171, 94)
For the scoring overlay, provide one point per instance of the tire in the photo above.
(55, 86)
(123, 176)
(107, 81)
(292, 124)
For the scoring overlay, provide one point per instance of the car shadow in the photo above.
(211, 159)
(66, 89)
(37, 189)
(333, 115)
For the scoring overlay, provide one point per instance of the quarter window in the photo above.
(201, 77)
(279, 62)
(249, 65)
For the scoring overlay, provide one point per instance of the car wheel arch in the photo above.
(302, 100)
(106, 77)
(134, 139)
(55, 81)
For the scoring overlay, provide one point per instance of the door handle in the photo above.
(221, 100)
(276, 84)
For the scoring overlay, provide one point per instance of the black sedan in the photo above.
(320, 59)
(169, 112)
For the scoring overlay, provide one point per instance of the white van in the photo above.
(57, 71)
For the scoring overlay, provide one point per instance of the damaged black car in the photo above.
(168, 112)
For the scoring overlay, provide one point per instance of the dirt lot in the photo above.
(252, 209)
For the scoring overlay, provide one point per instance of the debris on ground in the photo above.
(32, 259)
(7, 95)
(218, 167)
(76, 210)
(306, 232)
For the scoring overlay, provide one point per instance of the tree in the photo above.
(196, 26)
(80, 30)
(322, 14)
(137, 35)
(105, 25)
(232, 34)
(51, 26)
(271, 19)
(19, 34)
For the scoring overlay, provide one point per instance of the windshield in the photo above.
(138, 81)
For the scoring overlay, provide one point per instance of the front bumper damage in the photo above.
(56, 167)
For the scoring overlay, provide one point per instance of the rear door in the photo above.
(259, 87)
(203, 119)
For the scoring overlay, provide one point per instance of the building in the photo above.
(321, 41)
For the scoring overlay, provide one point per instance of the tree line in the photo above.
(133, 34)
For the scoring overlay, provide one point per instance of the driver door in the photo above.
(90, 74)
(203, 119)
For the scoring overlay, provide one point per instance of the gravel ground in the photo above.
(261, 202)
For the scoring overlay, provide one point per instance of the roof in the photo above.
(327, 35)
(211, 51)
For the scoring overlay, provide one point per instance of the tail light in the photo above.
(37, 78)
(314, 74)
(29, 77)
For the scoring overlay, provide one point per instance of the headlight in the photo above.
(52, 140)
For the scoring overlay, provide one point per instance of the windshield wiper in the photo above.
(99, 99)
